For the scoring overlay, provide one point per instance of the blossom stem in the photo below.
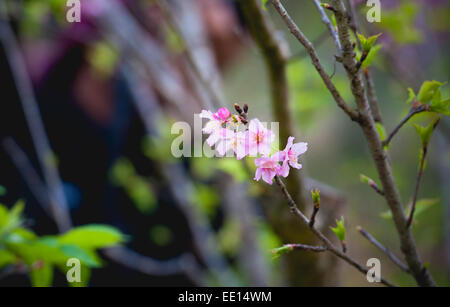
(329, 246)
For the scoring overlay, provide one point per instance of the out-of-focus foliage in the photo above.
(161, 235)
(138, 188)
(422, 205)
(400, 23)
(20, 247)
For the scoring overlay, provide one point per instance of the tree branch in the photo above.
(367, 123)
(329, 26)
(384, 249)
(414, 110)
(293, 28)
(419, 177)
(309, 248)
(330, 247)
(379, 155)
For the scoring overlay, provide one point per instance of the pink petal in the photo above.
(206, 114)
(295, 165)
(268, 175)
(258, 174)
(284, 171)
(289, 143)
(299, 148)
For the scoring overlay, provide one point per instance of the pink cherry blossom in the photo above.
(289, 156)
(259, 138)
(238, 144)
(216, 120)
(222, 114)
(268, 167)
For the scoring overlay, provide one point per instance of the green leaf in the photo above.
(2, 190)
(93, 236)
(441, 107)
(277, 252)
(315, 196)
(400, 23)
(371, 56)
(428, 90)
(41, 274)
(425, 132)
(367, 43)
(381, 131)
(161, 235)
(339, 230)
(86, 257)
(6, 258)
(411, 95)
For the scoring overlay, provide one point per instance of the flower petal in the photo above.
(299, 148)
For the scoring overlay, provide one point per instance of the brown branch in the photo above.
(371, 94)
(329, 26)
(381, 158)
(414, 110)
(367, 123)
(309, 248)
(330, 246)
(419, 177)
(293, 28)
(384, 249)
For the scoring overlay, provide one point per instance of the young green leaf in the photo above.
(339, 230)
(411, 95)
(93, 236)
(277, 252)
(426, 132)
(367, 43)
(316, 197)
(264, 4)
(41, 274)
(381, 131)
(6, 258)
(428, 90)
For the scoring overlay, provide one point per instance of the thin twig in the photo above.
(329, 26)
(384, 249)
(33, 118)
(330, 246)
(414, 110)
(309, 248)
(293, 28)
(419, 177)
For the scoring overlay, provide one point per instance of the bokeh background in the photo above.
(109, 88)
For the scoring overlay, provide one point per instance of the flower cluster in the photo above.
(255, 140)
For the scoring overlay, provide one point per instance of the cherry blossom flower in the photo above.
(268, 168)
(216, 120)
(238, 143)
(289, 156)
(259, 138)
